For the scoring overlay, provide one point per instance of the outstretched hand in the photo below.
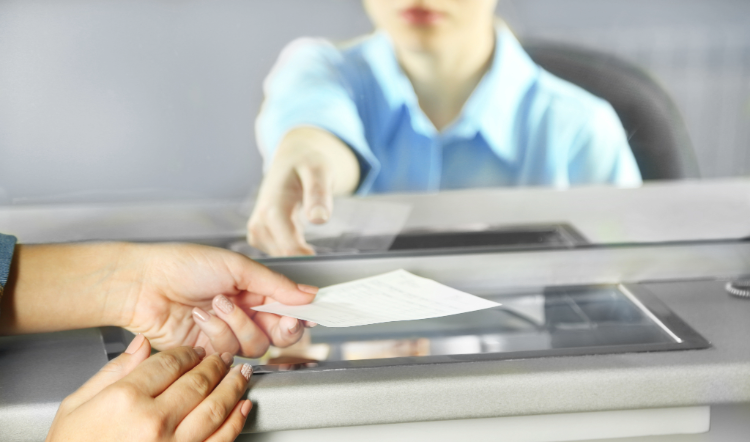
(175, 294)
(201, 296)
(309, 168)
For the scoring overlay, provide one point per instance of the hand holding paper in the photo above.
(394, 296)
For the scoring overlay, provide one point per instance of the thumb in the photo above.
(256, 279)
(138, 351)
(317, 192)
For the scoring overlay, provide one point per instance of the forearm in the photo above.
(301, 144)
(62, 287)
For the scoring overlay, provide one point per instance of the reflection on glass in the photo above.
(479, 236)
(532, 324)
(390, 348)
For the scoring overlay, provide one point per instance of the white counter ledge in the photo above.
(718, 375)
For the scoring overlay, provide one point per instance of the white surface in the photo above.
(663, 212)
(656, 212)
(542, 428)
(147, 221)
(394, 296)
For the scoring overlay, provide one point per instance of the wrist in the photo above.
(125, 284)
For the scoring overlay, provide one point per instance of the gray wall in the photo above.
(116, 100)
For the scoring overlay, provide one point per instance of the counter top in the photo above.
(685, 276)
(656, 212)
(720, 374)
(53, 365)
(37, 372)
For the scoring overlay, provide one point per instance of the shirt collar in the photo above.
(493, 107)
(490, 110)
(396, 86)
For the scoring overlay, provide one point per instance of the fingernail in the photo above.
(227, 358)
(201, 314)
(247, 371)
(307, 289)
(294, 329)
(310, 324)
(245, 409)
(223, 304)
(286, 324)
(135, 344)
(318, 214)
(200, 351)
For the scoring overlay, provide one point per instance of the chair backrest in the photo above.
(656, 132)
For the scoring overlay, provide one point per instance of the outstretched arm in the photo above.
(309, 168)
(313, 142)
(175, 294)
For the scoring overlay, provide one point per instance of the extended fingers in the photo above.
(271, 227)
(218, 332)
(276, 233)
(317, 192)
(259, 237)
(193, 387)
(231, 330)
(252, 341)
(216, 415)
(137, 352)
(283, 331)
(259, 279)
(286, 236)
(232, 427)
(158, 372)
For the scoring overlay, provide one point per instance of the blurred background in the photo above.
(149, 100)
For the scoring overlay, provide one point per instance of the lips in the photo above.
(421, 16)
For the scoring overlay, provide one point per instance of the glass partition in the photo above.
(159, 108)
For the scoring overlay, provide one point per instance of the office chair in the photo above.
(656, 132)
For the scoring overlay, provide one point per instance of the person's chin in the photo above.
(423, 40)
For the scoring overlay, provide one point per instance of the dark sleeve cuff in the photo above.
(7, 246)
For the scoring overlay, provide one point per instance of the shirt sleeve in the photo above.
(306, 87)
(7, 246)
(601, 153)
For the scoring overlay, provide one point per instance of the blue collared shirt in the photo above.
(521, 126)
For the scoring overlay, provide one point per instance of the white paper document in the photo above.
(393, 296)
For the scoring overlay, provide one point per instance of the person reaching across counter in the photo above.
(441, 96)
(165, 293)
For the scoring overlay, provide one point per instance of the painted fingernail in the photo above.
(223, 304)
(200, 314)
(227, 358)
(318, 214)
(247, 371)
(245, 408)
(135, 344)
(200, 351)
(307, 289)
